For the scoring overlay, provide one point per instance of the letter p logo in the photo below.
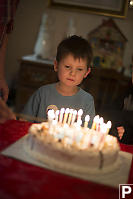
(125, 191)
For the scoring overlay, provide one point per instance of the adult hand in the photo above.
(121, 131)
(5, 112)
(4, 91)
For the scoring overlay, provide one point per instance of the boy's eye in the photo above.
(67, 66)
(80, 69)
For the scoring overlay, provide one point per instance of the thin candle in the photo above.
(95, 122)
(74, 116)
(87, 118)
(51, 114)
(61, 115)
(66, 115)
(57, 115)
(99, 124)
(80, 112)
(103, 128)
(109, 124)
(79, 123)
(70, 116)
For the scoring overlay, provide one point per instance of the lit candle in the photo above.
(80, 112)
(103, 128)
(61, 115)
(109, 124)
(57, 115)
(65, 115)
(87, 118)
(53, 127)
(51, 114)
(99, 124)
(79, 123)
(73, 117)
(70, 116)
(54, 122)
(95, 122)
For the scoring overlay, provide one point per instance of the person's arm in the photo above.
(3, 85)
(7, 12)
(121, 131)
(5, 112)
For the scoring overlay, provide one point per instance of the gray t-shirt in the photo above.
(47, 97)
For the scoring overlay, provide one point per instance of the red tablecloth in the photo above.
(19, 180)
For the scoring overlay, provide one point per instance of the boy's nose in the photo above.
(72, 72)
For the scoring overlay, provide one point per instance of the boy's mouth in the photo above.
(70, 79)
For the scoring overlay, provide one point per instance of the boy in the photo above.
(72, 65)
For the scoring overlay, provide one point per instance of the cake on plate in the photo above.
(72, 147)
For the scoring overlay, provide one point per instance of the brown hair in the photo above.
(77, 46)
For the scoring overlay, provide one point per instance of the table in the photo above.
(19, 180)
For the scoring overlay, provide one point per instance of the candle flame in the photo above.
(96, 118)
(62, 110)
(80, 112)
(109, 124)
(67, 110)
(51, 114)
(87, 118)
(103, 128)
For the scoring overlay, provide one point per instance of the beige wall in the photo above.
(27, 23)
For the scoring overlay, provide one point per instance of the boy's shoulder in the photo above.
(47, 86)
(85, 94)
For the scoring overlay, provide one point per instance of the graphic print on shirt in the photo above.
(54, 107)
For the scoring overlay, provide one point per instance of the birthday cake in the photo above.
(73, 147)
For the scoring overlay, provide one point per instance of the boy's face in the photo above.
(71, 71)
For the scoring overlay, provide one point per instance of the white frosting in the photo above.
(71, 148)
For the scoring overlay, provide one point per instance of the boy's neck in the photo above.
(66, 90)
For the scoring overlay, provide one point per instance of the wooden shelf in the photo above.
(105, 85)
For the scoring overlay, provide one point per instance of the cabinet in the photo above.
(33, 74)
(105, 85)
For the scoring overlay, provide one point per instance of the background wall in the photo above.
(27, 23)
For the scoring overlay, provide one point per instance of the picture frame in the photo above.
(111, 8)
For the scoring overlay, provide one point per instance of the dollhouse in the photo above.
(108, 43)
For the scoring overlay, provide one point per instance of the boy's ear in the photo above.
(55, 66)
(87, 73)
